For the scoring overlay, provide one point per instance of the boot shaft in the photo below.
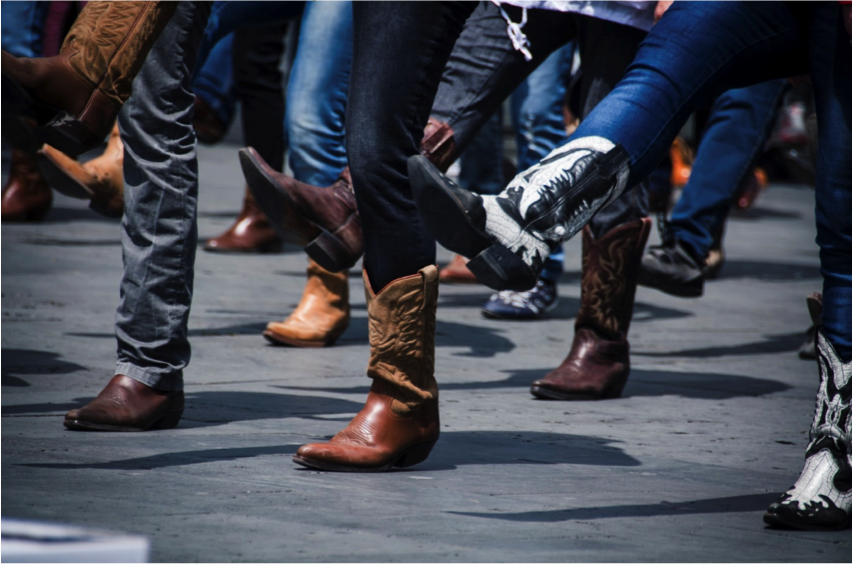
(609, 284)
(831, 425)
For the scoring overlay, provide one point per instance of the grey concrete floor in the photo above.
(711, 429)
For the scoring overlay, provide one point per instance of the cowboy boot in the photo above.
(399, 423)
(251, 232)
(820, 499)
(456, 272)
(321, 316)
(100, 180)
(329, 217)
(77, 94)
(127, 405)
(26, 195)
(508, 237)
(598, 363)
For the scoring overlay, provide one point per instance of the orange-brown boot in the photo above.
(77, 94)
(399, 423)
(322, 315)
(101, 180)
(251, 232)
(26, 195)
(598, 364)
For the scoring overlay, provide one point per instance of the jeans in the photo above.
(159, 229)
(317, 93)
(396, 70)
(214, 81)
(737, 127)
(481, 165)
(23, 27)
(699, 50)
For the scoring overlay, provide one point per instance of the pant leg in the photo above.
(694, 53)
(159, 231)
(317, 93)
(738, 125)
(395, 76)
(214, 82)
(481, 164)
(23, 27)
(831, 77)
(258, 85)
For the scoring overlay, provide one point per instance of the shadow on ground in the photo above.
(28, 361)
(769, 344)
(733, 504)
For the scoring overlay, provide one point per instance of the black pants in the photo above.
(399, 52)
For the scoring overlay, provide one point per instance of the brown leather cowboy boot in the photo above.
(26, 195)
(333, 226)
(251, 232)
(598, 364)
(399, 423)
(77, 94)
(456, 272)
(321, 316)
(128, 405)
(100, 180)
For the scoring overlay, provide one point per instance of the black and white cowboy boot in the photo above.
(821, 497)
(509, 236)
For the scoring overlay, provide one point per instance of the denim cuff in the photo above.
(164, 382)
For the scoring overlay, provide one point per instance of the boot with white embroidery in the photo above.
(509, 236)
(821, 497)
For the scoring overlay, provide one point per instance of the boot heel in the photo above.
(339, 250)
(169, 420)
(415, 455)
(500, 269)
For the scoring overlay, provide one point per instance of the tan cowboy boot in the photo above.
(251, 232)
(26, 195)
(598, 364)
(399, 424)
(100, 180)
(321, 316)
(77, 94)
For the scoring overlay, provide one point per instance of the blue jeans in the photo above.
(737, 127)
(317, 93)
(699, 50)
(481, 164)
(159, 229)
(23, 27)
(214, 81)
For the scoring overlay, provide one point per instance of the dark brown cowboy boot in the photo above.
(251, 232)
(399, 423)
(76, 95)
(26, 195)
(598, 364)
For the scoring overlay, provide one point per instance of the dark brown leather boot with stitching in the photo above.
(128, 405)
(598, 364)
(399, 423)
(251, 232)
(322, 315)
(101, 180)
(26, 195)
(77, 94)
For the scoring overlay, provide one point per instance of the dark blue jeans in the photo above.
(23, 27)
(737, 127)
(214, 81)
(699, 50)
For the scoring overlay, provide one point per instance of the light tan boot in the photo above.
(321, 316)
(100, 180)
(77, 94)
(399, 423)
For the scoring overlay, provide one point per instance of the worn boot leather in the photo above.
(322, 315)
(26, 195)
(251, 232)
(399, 423)
(329, 217)
(598, 363)
(77, 94)
(100, 180)
(128, 405)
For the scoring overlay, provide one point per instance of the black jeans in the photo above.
(399, 52)
(484, 69)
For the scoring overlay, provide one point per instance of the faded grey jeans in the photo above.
(159, 229)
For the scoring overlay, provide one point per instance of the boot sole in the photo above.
(412, 455)
(60, 181)
(325, 247)
(546, 394)
(774, 520)
(278, 340)
(168, 420)
(692, 289)
(264, 249)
